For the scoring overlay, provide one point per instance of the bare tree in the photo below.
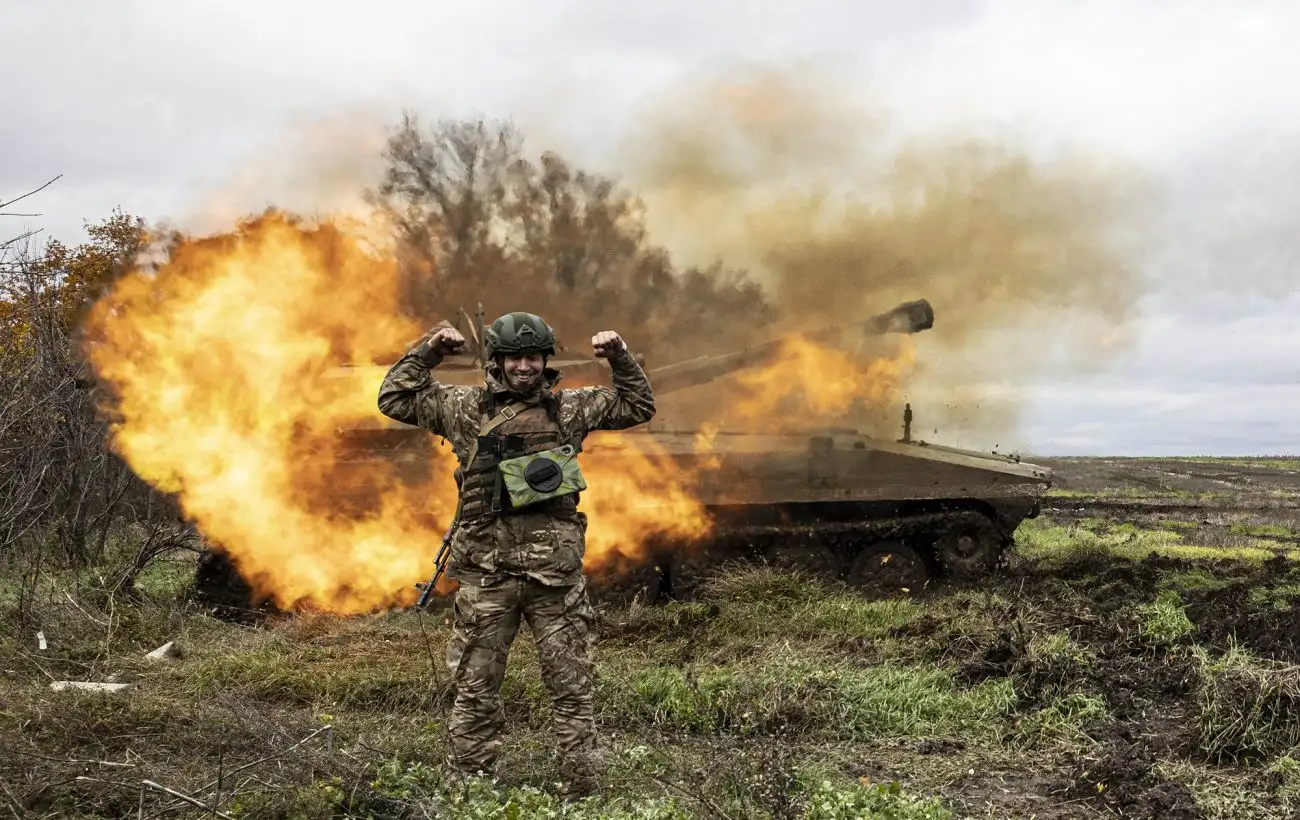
(478, 222)
(443, 192)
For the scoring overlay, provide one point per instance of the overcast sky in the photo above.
(165, 108)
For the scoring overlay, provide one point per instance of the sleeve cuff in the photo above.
(426, 355)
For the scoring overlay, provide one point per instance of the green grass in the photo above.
(1194, 581)
(1249, 708)
(1280, 598)
(772, 696)
(1059, 646)
(1223, 793)
(1118, 493)
(1043, 539)
(1069, 718)
(818, 699)
(1283, 464)
(1262, 530)
(322, 679)
(1165, 620)
(755, 604)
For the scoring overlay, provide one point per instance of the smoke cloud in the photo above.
(1031, 263)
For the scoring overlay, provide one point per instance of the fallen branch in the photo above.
(223, 776)
(186, 798)
(14, 806)
(234, 772)
(671, 786)
(75, 760)
(92, 618)
(152, 785)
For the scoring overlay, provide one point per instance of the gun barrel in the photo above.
(909, 317)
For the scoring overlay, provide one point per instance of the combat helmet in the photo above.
(519, 333)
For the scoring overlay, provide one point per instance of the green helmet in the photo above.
(520, 333)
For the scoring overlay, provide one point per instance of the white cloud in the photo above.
(1155, 80)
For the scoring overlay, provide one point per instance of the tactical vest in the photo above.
(524, 464)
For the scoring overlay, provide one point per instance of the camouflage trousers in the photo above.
(485, 621)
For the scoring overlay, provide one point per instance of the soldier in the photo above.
(518, 539)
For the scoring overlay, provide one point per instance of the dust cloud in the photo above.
(1030, 263)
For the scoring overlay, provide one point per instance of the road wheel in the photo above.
(969, 548)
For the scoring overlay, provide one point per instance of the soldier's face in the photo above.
(523, 371)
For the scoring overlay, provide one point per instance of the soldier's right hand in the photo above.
(446, 340)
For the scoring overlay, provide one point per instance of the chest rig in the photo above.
(520, 462)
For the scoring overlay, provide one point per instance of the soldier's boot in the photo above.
(469, 768)
(578, 783)
(579, 771)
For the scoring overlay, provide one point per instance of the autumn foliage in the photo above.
(58, 483)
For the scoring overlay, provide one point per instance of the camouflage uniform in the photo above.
(517, 563)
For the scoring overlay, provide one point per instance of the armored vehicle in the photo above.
(880, 515)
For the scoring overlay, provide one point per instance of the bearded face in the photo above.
(524, 371)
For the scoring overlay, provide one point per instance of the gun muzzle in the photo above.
(909, 317)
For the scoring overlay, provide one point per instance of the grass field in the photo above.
(1138, 657)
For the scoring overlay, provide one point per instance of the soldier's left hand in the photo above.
(607, 343)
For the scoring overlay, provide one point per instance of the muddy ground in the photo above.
(1149, 687)
(1240, 519)
(1249, 505)
(1172, 483)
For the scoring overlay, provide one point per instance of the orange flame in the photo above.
(636, 490)
(816, 382)
(218, 363)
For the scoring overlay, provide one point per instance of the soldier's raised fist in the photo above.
(607, 343)
(445, 340)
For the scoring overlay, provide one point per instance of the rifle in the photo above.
(439, 566)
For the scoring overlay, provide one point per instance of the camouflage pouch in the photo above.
(542, 476)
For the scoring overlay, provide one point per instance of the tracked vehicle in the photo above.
(880, 515)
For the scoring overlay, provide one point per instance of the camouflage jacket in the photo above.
(548, 547)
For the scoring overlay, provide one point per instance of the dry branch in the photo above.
(29, 193)
(224, 776)
(186, 798)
